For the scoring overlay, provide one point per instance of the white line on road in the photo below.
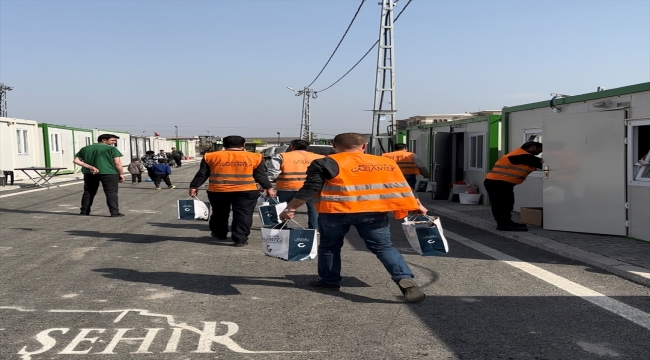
(628, 312)
(41, 189)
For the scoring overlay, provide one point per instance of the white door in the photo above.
(584, 187)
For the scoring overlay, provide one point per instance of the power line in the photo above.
(367, 52)
(339, 44)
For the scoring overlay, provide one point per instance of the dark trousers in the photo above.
(178, 162)
(109, 184)
(136, 178)
(150, 172)
(502, 200)
(158, 178)
(243, 206)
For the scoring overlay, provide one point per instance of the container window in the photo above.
(21, 141)
(476, 151)
(641, 153)
(54, 143)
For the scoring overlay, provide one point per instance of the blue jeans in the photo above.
(373, 228)
(312, 214)
(411, 180)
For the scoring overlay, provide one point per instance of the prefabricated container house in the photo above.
(19, 145)
(458, 150)
(596, 146)
(59, 144)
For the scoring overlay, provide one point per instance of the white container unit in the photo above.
(590, 182)
(123, 143)
(20, 145)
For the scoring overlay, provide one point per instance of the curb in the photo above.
(634, 273)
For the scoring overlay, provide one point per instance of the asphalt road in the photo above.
(148, 286)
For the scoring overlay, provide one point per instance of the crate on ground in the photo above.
(532, 215)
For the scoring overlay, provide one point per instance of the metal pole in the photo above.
(384, 81)
(3, 99)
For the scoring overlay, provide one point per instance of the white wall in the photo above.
(476, 177)
(9, 157)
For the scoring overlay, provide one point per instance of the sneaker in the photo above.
(157, 188)
(219, 237)
(240, 244)
(411, 290)
(86, 213)
(319, 284)
(511, 228)
(172, 187)
(117, 215)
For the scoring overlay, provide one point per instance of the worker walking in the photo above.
(353, 188)
(410, 164)
(232, 175)
(289, 170)
(510, 170)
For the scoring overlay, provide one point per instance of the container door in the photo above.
(441, 163)
(584, 172)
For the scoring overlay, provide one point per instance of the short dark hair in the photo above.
(150, 152)
(162, 161)
(234, 141)
(401, 146)
(349, 140)
(106, 137)
(529, 144)
(135, 159)
(299, 144)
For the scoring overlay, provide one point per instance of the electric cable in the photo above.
(339, 44)
(367, 52)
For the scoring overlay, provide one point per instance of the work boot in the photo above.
(411, 290)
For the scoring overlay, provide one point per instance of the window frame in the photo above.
(413, 145)
(472, 156)
(535, 131)
(57, 136)
(22, 141)
(88, 140)
(632, 154)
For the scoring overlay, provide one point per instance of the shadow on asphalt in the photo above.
(199, 225)
(17, 211)
(224, 285)
(147, 238)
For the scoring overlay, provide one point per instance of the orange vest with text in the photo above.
(365, 183)
(504, 170)
(404, 160)
(232, 170)
(294, 169)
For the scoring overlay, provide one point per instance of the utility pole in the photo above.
(176, 131)
(3, 99)
(384, 108)
(307, 94)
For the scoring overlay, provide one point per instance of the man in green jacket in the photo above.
(101, 163)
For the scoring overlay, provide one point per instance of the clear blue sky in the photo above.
(224, 66)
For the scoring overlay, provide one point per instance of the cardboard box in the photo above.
(532, 215)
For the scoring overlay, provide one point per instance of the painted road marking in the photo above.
(29, 191)
(625, 311)
(88, 339)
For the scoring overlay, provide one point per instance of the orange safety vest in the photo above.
(294, 169)
(404, 160)
(365, 183)
(232, 170)
(504, 170)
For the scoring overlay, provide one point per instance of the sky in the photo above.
(223, 66)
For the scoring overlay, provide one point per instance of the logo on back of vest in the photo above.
(373, 167)
(305, 162)
(236, 163)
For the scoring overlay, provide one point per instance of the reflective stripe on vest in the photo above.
(232, 170)
(404, 160)
(365, 183)
(294, 169)
(504, 170)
